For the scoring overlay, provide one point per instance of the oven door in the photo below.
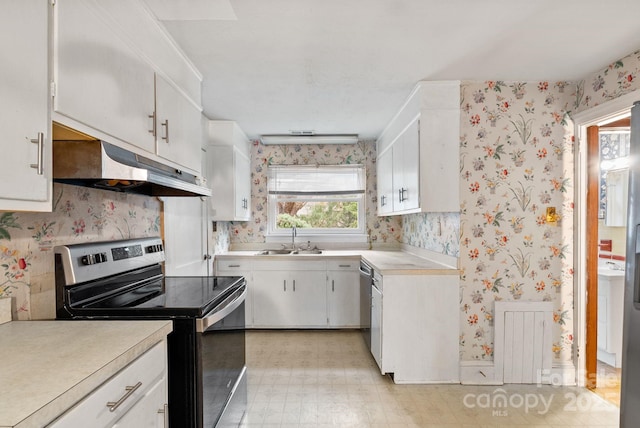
(222, 393)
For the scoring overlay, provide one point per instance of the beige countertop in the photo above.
(386, 262)
(48, 366)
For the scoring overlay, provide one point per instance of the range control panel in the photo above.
(91, 259)
(94, 260)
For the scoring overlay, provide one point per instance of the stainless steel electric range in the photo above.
(206, 350)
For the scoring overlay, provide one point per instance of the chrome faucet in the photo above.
(294, 232)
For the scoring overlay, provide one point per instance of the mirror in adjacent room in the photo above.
(614, 176)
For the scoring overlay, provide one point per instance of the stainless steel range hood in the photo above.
(99, 164)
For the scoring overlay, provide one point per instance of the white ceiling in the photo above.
(346, 66)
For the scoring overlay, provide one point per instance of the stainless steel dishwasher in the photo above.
(366, 279)
(376, 318)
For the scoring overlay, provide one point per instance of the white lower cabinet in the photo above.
(343, 294)
(135, 397)
(610, 315)
(240, 266)
(297, 294)
(419, 328)
(290, 294)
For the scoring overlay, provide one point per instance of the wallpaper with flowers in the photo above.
(516, 160)
(382, 229)
(438, 232)
(618, 78)
(79, 215)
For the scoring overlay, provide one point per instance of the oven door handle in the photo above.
(202, 324)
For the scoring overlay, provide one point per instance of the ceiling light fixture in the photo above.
(269, 139)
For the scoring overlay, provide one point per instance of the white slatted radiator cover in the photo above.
(522, 344)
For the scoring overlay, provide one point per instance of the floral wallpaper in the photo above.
(516, 160)
(439, 232)
(221, 237)
(382, 229)
(618, 78)
(79, 214)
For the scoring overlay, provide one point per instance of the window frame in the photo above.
(359, 234)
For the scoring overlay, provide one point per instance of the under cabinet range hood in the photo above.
(96, 163)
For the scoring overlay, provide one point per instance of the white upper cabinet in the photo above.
(24, 107)
(385, 182)
(178, 126)
(228, 151)
(101, 82)
(418, 153)
(118, 77)
(405, 171)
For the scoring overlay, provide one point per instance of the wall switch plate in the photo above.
(552, 217)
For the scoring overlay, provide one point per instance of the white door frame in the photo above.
(604, 112)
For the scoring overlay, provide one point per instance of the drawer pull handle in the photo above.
(344, 265)
(153, 117)
(166, 130)
(113, 405)
(40, 164)
(165, 412)
(234, 265)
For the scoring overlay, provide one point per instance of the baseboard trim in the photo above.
(483, 373)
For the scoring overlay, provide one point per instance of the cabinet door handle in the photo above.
(165, 413)
(234, 265)
(333, 285)
(166, 130)
(40, 161)
(294, 285)
(152, 131)
(207, 256)
(285, 285)
(113, 405)
(382, 200)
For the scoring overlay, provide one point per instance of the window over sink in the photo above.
(321, 201)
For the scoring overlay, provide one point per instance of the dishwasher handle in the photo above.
(225, 308)
(365, 269)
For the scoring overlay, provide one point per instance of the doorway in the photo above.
(589, 214)
(608, 145)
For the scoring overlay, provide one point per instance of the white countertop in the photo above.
(386, 262)
(48, 366)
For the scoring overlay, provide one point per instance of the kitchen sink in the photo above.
(307, 251)
(285, 251)
(274, 252)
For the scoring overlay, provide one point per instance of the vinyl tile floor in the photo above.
(329, 379)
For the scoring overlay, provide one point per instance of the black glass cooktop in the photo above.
(166, 297)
